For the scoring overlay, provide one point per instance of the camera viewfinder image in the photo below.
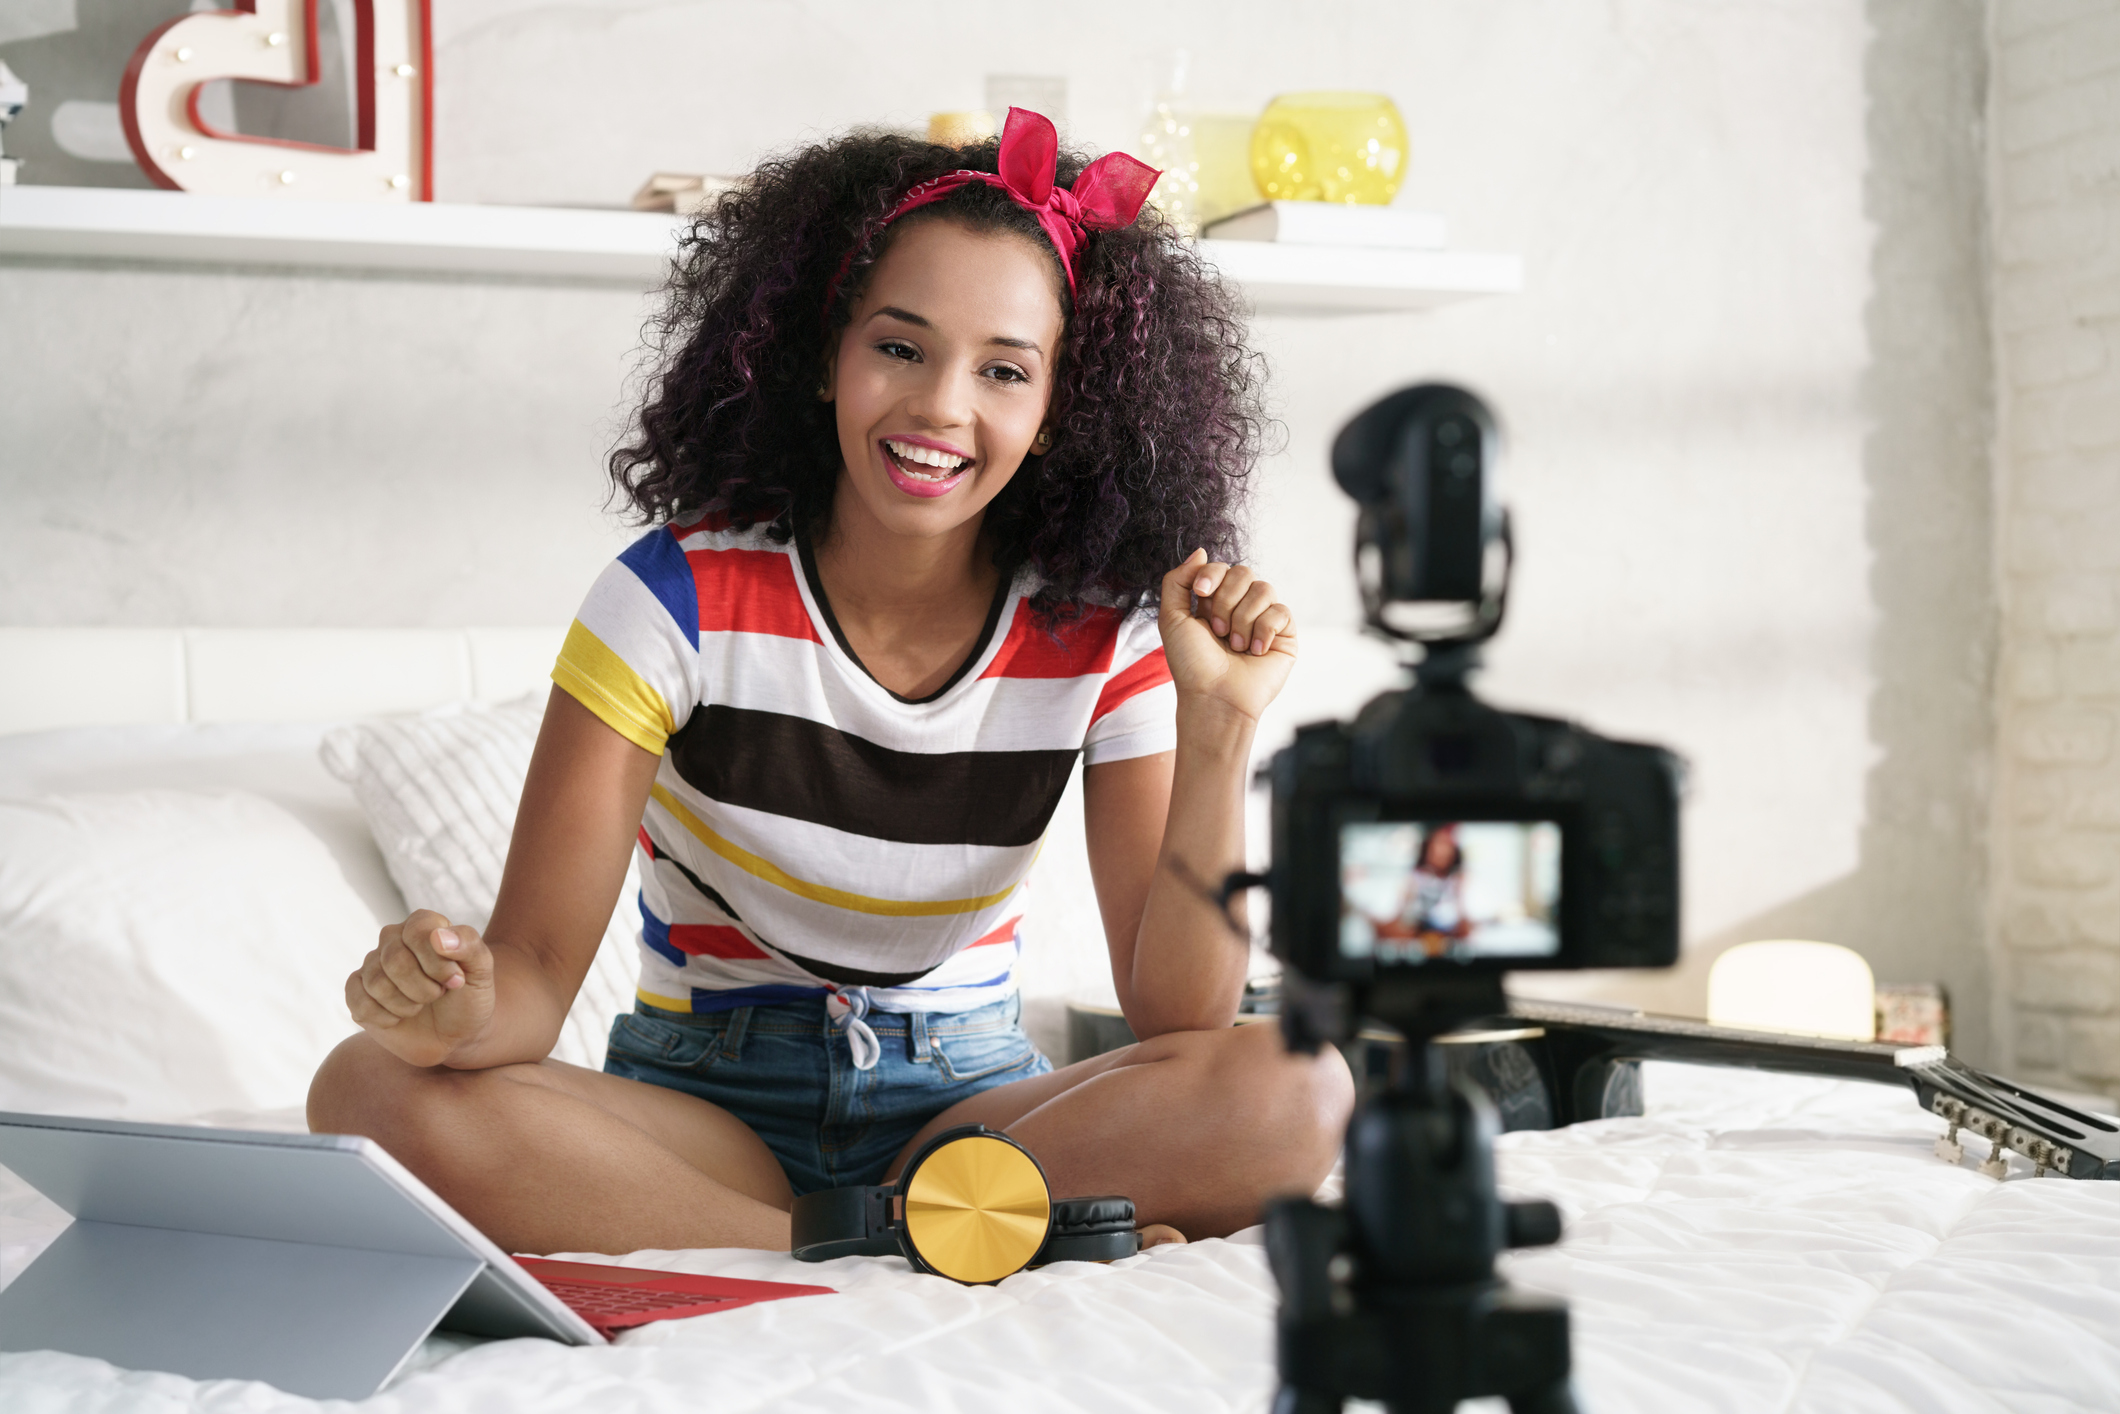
(1412, 890)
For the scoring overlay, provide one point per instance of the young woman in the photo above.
(933, 432)
(1434, 909)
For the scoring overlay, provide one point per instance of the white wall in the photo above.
(1694, 382)
(2056, 109)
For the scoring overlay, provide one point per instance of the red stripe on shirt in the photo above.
(1082, 647)
(1147, 671)
(1005, 933)
(712, 940)
(647, 844)
(749, 591)
(712, 522)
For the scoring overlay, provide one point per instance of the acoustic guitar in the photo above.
(1548, 1064)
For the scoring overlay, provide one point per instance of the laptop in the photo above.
(313, 1262)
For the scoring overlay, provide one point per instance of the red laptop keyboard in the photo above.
(613, 1299)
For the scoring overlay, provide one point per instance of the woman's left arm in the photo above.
(1163, 827)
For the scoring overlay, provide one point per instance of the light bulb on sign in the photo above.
(275, 42)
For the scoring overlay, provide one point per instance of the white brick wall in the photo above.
(2055, 196)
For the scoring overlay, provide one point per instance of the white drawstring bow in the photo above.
(846, 1006)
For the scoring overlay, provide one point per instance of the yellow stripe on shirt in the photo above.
(772, 873)
(601, 681)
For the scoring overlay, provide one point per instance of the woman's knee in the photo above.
(1299, 1104)
(363, 1089)
(345, 1087)
(1304, 1099)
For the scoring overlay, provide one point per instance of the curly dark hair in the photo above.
(1156, 412)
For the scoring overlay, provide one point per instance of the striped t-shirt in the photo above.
(812, 833)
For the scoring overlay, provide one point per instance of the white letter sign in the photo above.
(275, 41)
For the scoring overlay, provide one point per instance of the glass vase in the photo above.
(1349, 148)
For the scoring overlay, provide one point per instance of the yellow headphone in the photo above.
(972, 1205)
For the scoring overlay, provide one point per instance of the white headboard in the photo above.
(79, 677)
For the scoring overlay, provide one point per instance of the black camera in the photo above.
(1434, 834)
(1420, 851)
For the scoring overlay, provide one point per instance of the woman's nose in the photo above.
(944, 398)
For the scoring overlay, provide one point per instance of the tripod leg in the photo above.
(1556, 1398)
(1290, 1400)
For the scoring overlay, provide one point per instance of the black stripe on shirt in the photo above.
(804, 770)
(706, 890)
(830, 971)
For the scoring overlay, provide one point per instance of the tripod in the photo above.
(1393, 1296)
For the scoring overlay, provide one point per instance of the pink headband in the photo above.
(1107, 194)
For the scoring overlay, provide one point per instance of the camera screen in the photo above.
(1466, 890)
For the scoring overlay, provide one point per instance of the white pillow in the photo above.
(440, 792)
(165, 953)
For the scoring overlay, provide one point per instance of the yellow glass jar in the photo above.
(1341, 147)
(961, 129)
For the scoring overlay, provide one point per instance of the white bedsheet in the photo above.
(1753, 1243)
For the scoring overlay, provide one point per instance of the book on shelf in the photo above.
(1334, 224)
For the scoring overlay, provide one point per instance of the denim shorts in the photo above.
(788, 1073)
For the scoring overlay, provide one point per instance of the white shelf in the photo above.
(1297, 279)
(101, 223)
(622, 247)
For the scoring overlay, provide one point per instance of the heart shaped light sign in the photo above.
(275, 41)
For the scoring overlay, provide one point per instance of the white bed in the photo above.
(1751, 1243)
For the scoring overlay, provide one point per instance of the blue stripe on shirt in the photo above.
(658, 563)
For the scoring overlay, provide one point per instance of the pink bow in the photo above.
(1107, 194)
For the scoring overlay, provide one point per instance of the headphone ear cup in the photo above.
(977, 1207)
(1090, 1230)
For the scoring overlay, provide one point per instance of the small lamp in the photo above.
(1818, 989)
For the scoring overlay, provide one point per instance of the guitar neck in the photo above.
(1635, 1035)
(1581, 1045)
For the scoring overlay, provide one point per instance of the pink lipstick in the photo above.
(918, 479)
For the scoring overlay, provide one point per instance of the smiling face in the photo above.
(943, 375)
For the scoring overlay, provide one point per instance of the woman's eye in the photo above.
(892, 348)
(1003, 373)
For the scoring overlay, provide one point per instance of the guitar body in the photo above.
(1548, 1064)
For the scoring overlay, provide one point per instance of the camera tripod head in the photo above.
(1432, 546)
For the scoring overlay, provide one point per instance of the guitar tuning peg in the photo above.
(1948, 1148)
(1995, 1166)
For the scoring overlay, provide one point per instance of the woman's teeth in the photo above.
(911, 458)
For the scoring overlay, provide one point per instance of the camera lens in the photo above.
(1464, 464)
(1450, 433)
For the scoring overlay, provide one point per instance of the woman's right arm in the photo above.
(435, 993)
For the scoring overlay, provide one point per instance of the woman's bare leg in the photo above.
(555, 1158)
(1200, 1128)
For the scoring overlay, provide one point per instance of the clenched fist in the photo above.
(1226, 634)
(426, 990)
